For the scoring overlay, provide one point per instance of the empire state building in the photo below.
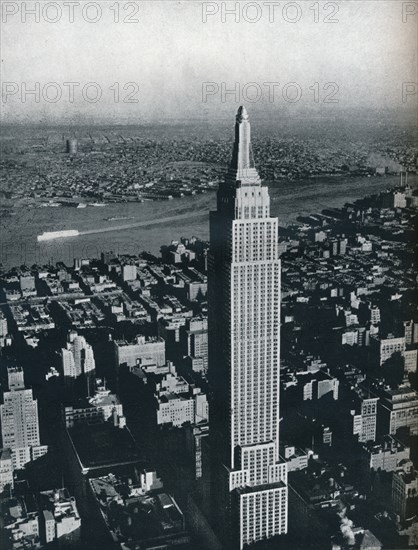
(249, 482)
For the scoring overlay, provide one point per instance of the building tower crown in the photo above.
(242, 114)
(242, 169)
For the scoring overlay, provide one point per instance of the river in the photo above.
(149, 225)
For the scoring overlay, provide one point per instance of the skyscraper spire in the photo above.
(242, 113)
(242, 167)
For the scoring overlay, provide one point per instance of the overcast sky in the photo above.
(169, 52)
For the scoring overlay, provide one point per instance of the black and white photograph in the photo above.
(208, 275)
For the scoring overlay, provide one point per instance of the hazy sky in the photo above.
(168, 51)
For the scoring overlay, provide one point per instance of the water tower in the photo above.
(72, 146)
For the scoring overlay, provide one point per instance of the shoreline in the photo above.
(301, 220)
(95, 202)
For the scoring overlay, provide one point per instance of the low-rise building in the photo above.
(388, 346)
(179, 403)
(20, 524)
(399, 409)
(405, 490)
(134, 353)
(129, 272)
(295, 458)
(318, 385)
(6, 469)
(386, 455)
(103, 406)
(60, 518)
(410, 357)
(399, 200)
(138, 512)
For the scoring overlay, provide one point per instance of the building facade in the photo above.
(19, 421)
(3, 329)
(77, 357)
(194, 336)
(405, 491)
(244, 351)
(179, 403)
(60, 518)
(388, 347)
(6, 469)
(102, 407)
(399, 409)
(386, 455)
(410, 357)
(364, 423)
(134, 353)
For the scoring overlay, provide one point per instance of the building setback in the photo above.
(19, 421)
(77, 357)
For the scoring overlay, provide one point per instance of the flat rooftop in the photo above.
(259, 488)
(99, 445)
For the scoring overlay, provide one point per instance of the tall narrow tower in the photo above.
(244, 351)
(19, 421)
(77, 360)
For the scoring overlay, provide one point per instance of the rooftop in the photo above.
(259, 488)
(135, 514)
(99, 445)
